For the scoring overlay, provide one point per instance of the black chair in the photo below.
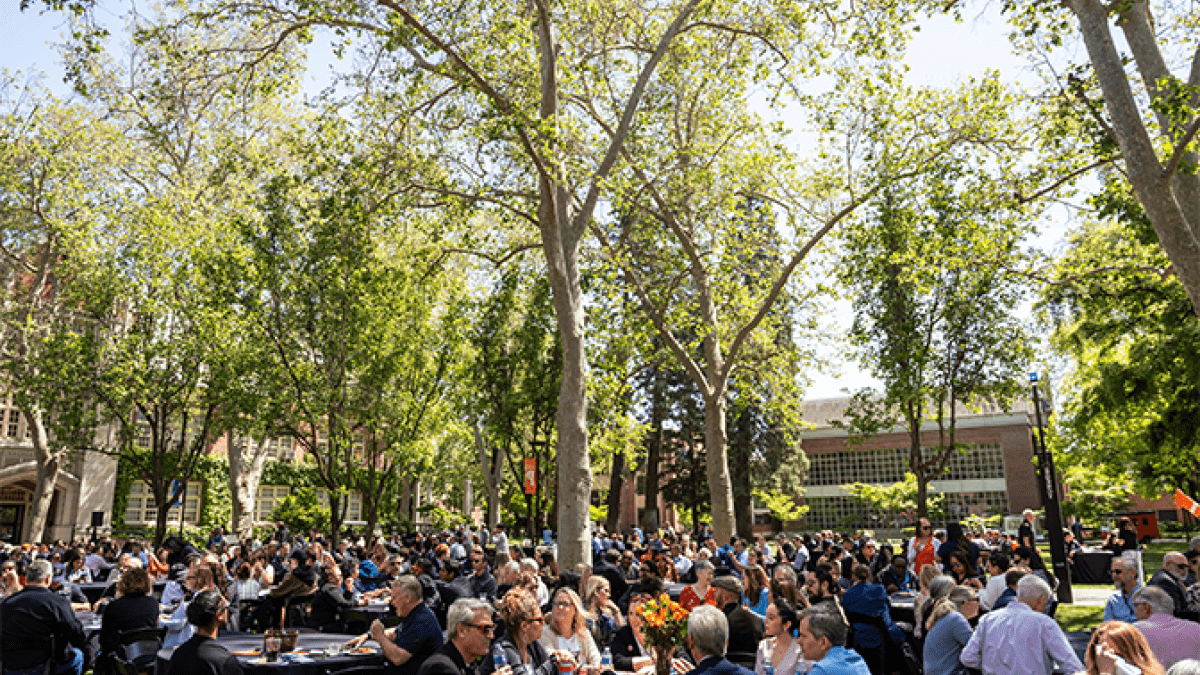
(123, 667)
(355, 621)
(875, 657)
(139, 647)
(297, 608)
(391, 621)
(745, 659)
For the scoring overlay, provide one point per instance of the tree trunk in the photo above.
(406, 508)
(1165, 207)
(719, 484)
(738, 451)
(650, 517)
(493, 474)
(47, 477)
(245, 474)
(616, 483)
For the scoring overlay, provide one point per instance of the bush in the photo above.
(301, 511)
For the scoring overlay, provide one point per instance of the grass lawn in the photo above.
(1152, 554)
(1078, 617)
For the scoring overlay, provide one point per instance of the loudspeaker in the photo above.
(97, 519)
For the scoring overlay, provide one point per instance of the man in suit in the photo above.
(745, 630)
(607, 568)
(708, 636)
(470, 628)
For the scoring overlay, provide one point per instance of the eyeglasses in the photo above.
(485, 628)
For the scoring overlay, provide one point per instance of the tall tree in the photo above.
(931, 322)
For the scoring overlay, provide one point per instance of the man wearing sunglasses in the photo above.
(1170, 579)
(471, 628)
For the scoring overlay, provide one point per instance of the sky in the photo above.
(942, 52)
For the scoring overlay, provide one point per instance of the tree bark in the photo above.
(493, 474)
(245, 474)
(616, 483)
(47, 476)
(719, 484)
(650, 517)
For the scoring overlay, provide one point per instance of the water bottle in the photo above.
(499, 660)
(769, 669)
(606, 660)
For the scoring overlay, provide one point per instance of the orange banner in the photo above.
(530, 475)
(1186, 503)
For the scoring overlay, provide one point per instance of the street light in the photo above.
(1048, 487)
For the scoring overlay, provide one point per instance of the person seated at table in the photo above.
(567, 629)
(778, 649)
(870, 599)
(40, 629)
(957, 540)
(745, 628)
(629, 649)
(1009, 596)
(71, 593)
(157, 566)
(758, 593)
(244, 586)
(708, 635)
(924, 578)
(523, 623)
(470, 628)
(329, 602)
(134, 608)
(300, 580)
(959, 566)
(603, 616)
(820, 588)
(202, 654)
(199, 578)
(997, 568)
(76, 571)
(786, 590)
(948, 630)
(897, 577)
(1116, 640)
(418, 636)
(10, 578)
(821, 635)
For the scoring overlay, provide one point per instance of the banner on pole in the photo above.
(530, 475)
(1186, 503)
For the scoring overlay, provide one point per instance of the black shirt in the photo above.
(202, 655)
(446, 661)
(31, 617)
(326, 605)
(127, 613)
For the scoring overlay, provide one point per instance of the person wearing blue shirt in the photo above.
(871, 599)
(822, 639)
(420, 636)
(1124, 573)
(897, 577)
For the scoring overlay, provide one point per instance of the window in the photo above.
(141, 507)
(268, 498)
(10, 417)
(144, 439)
(887, 466)
(14, 422)
(353, 508)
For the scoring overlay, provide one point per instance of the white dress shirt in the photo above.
(1019, 641)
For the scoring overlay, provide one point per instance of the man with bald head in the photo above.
(1170, 579)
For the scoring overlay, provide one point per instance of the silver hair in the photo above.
(1129, 559)
(1185, 667)
(39, 572)
(1157, 598)
(529, 564)
(463, 611)
(1194, 542)
(1031, 586)
(709, 630)
(410, 586)
(823, 623)
(941, 585)
(703, 566)
(787, 571)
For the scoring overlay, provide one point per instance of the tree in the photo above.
(930, 322)
(1152, 112)
(891, 502)
(52, 158)
(1126, 405)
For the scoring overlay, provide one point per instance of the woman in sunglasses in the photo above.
(10, 579)
(921, 550)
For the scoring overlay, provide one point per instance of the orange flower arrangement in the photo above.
(666, 622)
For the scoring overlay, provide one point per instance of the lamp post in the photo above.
(1048, 487)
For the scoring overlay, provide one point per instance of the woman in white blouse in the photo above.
(566, 630)
(779, 649)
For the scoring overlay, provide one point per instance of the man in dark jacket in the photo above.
(1170, 579)
(39, 624)
(470, 628)
(745, 629)
(607, 568)
(202, 654)
(707, 635)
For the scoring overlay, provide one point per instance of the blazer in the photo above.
(624, 649)
(718, 665)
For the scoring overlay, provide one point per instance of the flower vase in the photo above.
(662, 660)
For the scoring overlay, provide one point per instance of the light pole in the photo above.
(1048, 487)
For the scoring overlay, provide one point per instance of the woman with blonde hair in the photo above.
(1116, 641)
(566, 631)
(605, 617)
(520, 644)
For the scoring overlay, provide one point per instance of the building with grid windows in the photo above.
(995, 474)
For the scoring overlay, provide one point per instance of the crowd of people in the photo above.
(819, 603)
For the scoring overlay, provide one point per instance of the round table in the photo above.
(313, 663)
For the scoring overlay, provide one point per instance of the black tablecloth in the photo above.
(1092, 568)
(901, 606)
(94, 591)
(314, 643)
